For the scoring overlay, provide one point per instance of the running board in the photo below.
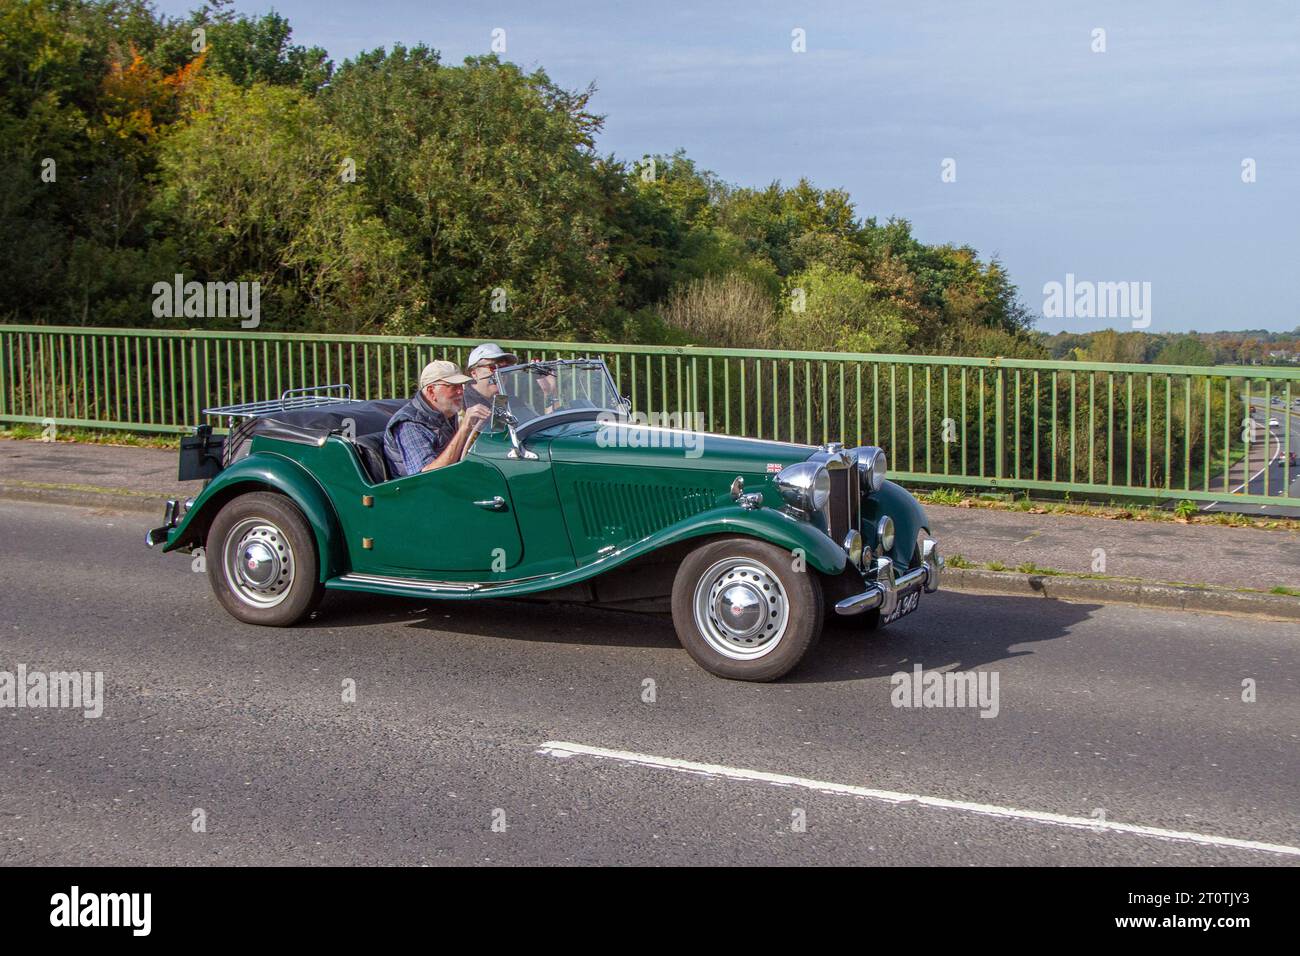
(415, 587)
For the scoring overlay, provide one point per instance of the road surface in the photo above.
(481, 733)
(1268, 471)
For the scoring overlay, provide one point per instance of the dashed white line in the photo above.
(564, 749)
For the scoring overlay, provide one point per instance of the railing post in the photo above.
(194, 381)
(999, 425)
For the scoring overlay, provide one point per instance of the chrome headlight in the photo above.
(805, 485)
(872, 466)
(885, 534)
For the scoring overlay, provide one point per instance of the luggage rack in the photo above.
(289, 400)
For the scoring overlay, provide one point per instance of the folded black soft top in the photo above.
(366, 417)
(368, 421)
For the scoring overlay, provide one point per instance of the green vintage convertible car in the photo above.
(752, 543)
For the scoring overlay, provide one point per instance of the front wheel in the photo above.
(262, 564)
(743, 612)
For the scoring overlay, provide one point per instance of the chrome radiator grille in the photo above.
(843, 509)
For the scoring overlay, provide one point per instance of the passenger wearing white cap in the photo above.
(424, 434)
(482, 365)
(490, 352)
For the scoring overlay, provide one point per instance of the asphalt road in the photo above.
(1103, 710)
(1267, 472)
(1278, 473)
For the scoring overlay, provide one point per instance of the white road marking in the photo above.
(564, 749)
(1267, 465)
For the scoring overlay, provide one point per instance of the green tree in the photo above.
(478, 206)
(829, 310)
(299, 227)
(246, 49)
(81, 116)
(1185, 350)
(489, 173)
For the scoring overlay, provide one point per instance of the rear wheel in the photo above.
(262, 562)
(743, 612)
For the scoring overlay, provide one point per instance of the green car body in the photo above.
(594, 497)
(578, 511)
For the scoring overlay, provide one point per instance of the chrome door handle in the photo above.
(493, 504)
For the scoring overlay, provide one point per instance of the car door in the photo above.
(453, 519)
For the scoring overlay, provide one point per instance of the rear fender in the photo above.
(264, 471)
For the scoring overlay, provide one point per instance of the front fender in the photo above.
(769, 525)
(261, 471)
(909, 518)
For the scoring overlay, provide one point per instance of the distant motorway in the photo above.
(1267, 463)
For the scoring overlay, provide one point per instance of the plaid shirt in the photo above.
(416, 435)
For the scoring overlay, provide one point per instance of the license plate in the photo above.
(907, 603)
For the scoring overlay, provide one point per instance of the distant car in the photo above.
(751, 542)
(1273, 423)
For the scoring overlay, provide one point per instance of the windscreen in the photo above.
(544, 388)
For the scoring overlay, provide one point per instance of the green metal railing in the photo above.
(1095, 429)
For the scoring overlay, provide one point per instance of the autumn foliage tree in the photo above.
(398, 193)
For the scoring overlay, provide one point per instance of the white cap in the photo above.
(490, 352)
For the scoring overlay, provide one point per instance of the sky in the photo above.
(1122, 164)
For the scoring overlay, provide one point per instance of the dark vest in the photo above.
(441, 428)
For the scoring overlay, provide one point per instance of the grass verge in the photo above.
(1028, 567)
(90, 436)
(1185, 512)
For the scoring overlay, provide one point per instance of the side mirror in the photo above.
(501, 412)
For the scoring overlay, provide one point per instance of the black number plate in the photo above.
(907, 603)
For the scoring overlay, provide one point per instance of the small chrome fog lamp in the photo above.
(885, 534)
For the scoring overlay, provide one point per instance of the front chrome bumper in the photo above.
(884, 593)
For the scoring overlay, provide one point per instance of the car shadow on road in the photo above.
(951, 630)
(549, 622)
(954, 630)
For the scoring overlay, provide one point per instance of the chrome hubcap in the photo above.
(260, 565)
(741, 609)
(259, 562)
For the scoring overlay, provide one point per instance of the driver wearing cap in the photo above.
(424, 433)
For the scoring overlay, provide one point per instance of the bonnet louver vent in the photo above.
(618, 511)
